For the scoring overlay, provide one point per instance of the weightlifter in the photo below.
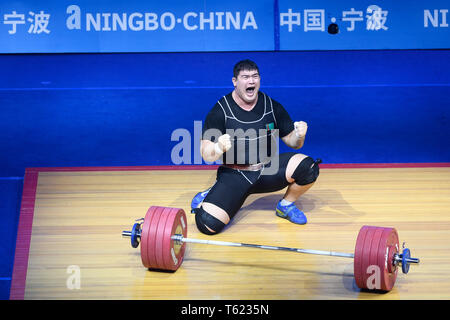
(242, 128)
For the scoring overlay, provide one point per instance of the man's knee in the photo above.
(307, 171)
(207, 223)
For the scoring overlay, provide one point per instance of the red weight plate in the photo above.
(182, 250)
(166, 237)
(393, 240)
(159, 239)
(365, 260)
(388, 247)
(364, 256)
(373, 269)
(151, 238)
(173, 252)
(383, 254)
(357, 261)
(392, 250)
(144, 236)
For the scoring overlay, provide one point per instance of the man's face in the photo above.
(247, 85)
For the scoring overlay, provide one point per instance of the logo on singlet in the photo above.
(270, 126)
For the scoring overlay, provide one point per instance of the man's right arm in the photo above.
(211, 151)
(214, 126)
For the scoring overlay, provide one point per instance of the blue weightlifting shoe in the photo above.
(198, 199)
(291, 213)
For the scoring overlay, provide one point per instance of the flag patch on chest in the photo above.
(270, 126)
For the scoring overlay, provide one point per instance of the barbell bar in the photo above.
(180, 238)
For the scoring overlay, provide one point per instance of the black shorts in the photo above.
(233, 186)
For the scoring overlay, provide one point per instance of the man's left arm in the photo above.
(296, 138)
(291, 133)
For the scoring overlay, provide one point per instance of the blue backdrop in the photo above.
(121, 109)
(214, 25)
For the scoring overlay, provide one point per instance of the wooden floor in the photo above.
(79, 217)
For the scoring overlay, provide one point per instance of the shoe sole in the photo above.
(277, 211)
(280, 214)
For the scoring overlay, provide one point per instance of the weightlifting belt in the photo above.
(247, 167)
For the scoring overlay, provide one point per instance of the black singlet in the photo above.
(252, 132)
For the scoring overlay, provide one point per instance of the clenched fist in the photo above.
(300, 128)
(223, 144)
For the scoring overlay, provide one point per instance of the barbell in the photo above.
(162, 235)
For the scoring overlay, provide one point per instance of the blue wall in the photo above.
(10, 196)
(120, 109)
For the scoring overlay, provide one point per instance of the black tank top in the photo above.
(251, 141)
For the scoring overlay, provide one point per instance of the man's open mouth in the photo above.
(250, 90)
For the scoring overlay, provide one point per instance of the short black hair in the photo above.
(244, 65)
